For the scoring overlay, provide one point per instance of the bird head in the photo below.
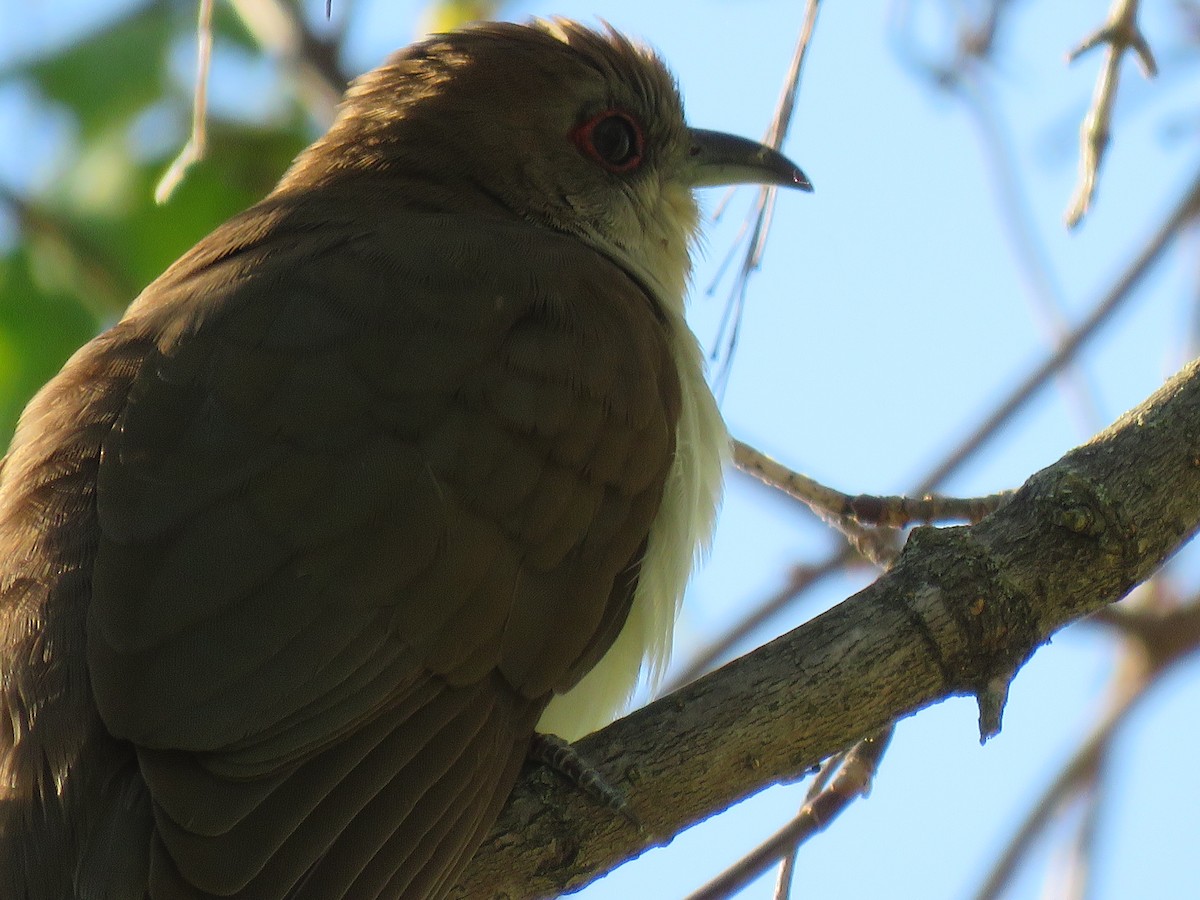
(577, 130)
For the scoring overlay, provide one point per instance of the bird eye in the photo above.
(613, 139)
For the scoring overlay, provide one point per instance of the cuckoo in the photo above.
(406, 462)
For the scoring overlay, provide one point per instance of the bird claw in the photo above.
(560, 756)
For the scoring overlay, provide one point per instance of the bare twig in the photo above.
(853, 780)
(1154, 640)
(892, 512)
(1094, 790)
(1041, 283)
(975, 38)
(1070, 779)
(786, 875)
(280, 28)
(878, 546)
(863, 759)
(758, 219)
(1119, 35)
(193, 151)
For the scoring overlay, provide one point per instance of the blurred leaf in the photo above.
(114, 73)
(38, 331)
(228, 25)
(446, 15)
(69, 261)
(139, 239)
(242, 167)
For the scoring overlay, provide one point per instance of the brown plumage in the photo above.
(294, 557)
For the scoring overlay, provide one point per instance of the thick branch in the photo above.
(961, 611)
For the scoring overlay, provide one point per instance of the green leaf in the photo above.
(242, 167)
(125, 242)
(228, 25)
(39, 330)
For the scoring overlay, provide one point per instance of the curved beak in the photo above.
(717, 158)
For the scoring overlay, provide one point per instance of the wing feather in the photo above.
(359, 517)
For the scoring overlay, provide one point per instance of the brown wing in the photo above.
(367, 506)
(73, 812)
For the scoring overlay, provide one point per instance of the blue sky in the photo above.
(890, 315)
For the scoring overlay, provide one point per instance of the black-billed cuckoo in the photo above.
(294, 558)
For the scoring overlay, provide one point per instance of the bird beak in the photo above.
(717, 158)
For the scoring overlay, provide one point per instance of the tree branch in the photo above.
(961, 611)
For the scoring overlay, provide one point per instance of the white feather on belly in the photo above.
(678, 538)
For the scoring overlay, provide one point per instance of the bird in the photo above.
(404, 464)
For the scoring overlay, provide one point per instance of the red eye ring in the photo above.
(613, 139)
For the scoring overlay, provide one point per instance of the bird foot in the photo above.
(553, 752)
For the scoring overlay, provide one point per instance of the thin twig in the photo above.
(758, 219)
(193, 151)
(1155, 640)
(786, 875)
(1094, 790)
(863, 758)
(1119, 35)
(853, 780)
(1041, 283)
(280, 28)
(1068, 782)
(891, 512)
